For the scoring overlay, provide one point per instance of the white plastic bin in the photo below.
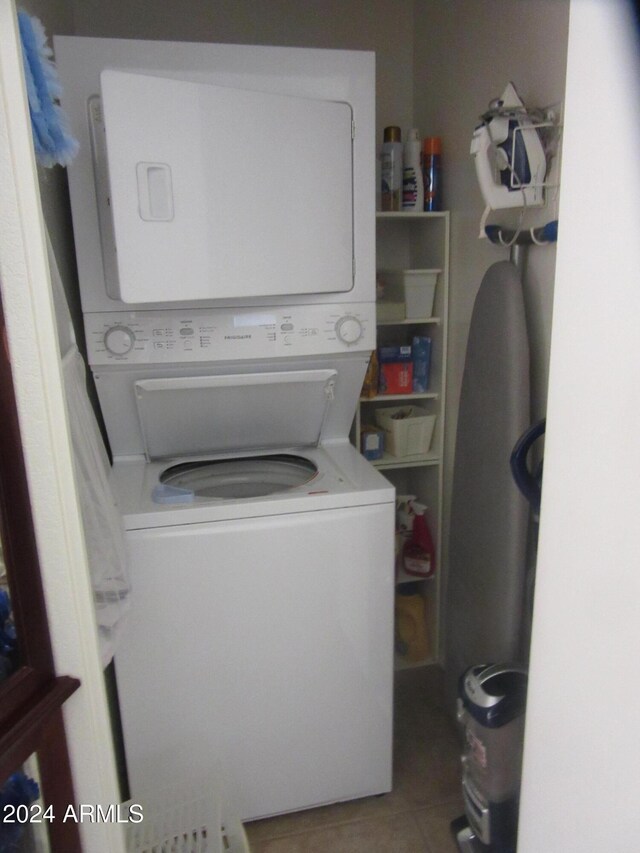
(417, 288)
(408, 430)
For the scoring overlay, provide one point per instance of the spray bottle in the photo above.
(432, 173)
(391, 169)
(412, 181)
(419, 554)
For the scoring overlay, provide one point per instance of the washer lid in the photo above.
(181, 416)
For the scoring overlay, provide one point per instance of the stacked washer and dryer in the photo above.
(223, 207)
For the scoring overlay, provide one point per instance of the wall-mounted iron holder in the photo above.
(516, 240)
(531, 236)
(547, 123)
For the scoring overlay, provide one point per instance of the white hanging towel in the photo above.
(103, 528)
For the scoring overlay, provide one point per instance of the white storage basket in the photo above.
(408, 430)
(185, 821)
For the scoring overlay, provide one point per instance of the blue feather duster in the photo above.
(52, 139)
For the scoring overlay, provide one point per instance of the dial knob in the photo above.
(349, 329)
(119, 340)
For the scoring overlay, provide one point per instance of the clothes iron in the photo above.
(509, 156)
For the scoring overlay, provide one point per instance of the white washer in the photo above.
(259, 641)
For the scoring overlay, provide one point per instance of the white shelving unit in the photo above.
(412, 241)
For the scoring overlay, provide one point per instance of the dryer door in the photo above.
(223, 193)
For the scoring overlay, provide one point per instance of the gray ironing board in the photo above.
(489, 516)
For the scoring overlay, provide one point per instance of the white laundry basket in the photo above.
(185, 821)
(408, 430)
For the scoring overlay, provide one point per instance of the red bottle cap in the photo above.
(432, 145)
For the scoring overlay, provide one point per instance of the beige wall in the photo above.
(465, 53)
(384, 26)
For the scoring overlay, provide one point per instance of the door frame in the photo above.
(37, 377)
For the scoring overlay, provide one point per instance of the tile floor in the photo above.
(415, 816)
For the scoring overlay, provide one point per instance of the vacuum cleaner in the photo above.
(491, 706)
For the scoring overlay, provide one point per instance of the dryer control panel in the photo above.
(228, 334)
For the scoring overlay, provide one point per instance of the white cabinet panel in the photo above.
(264, 647)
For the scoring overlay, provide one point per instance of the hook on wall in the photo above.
(505, 237)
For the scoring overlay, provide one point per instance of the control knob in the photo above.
(349, 329)
(119, 340)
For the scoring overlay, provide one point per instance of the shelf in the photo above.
(402, 577)
(413, 321)
(400, 663)
(411, 214)
(408, 242)
(416, 461)
(381, 398)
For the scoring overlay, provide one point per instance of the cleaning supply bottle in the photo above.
(411, 637)
(412, 181)
(419, 554)
(432, 172)
(391, 169)
(421, 355)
